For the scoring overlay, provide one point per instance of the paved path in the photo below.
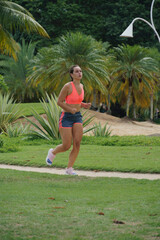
(59, 171)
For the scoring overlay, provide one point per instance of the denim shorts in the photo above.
(68, 119)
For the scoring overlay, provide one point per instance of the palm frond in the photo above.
(7, 44)
(14, 16)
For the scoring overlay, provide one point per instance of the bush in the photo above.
(9, 148)
(17, 130)
(1, 142)
(49, 128)
(9, 111)
(100, 131)
(121, 141)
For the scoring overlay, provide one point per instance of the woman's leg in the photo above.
(77, 133)
(66, 135)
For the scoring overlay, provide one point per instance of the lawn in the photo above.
(91, 157)
(42, 206)
(50, 207)
(26, 108)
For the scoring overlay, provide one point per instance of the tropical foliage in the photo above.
(100, 131)
(47, 126)
(51, 65)
(103, 20)
(14, 17)
(9, 111)
(3, 85)
(133, 76)
(130, 77)
(17, 129)
(15, 73)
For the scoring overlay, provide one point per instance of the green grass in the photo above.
(27, 207)
(108, 158)
(27, 108)
(27, 212)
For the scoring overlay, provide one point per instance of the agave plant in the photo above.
(9, 111)
(17, 129)
(48, 127)
(87, 119)
(100, 131)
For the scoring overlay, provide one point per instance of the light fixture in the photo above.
(129, 30)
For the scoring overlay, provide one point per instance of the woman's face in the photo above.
(77, 73)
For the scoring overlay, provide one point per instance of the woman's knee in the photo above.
(76, 143)
(66, 146)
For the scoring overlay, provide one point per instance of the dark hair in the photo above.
(71, 70)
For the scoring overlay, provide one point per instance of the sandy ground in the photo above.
(124, 127)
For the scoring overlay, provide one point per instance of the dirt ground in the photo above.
(124, 127)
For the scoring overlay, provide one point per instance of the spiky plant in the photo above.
(17, 129)
(100, 131)
(9, 111)
(47, 126)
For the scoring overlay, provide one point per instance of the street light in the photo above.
(129, 30)
(129, 33)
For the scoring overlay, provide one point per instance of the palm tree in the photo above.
(51, 65)
(133, 75)
(14, 17)
(154, 53)
(15, 73)
(3, 85)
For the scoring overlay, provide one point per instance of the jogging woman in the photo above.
(70, 122)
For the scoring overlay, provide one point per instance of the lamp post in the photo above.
(129, 33)
(129, 30)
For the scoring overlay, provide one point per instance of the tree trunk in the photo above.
(151, 107)
(134, 108)
(128, 101)
(94, 104)
(134, 111)
(109, 104)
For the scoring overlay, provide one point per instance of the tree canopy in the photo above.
(103, 20)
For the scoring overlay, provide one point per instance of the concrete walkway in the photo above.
(148, 176)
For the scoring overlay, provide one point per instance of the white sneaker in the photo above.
(69, 171)
(50, 157)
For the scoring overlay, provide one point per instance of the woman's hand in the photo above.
(86, 105)
(73, 110)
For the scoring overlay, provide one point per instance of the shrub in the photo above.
(49, 128)
(1, 142)
(46, 128)
(9, 111)
(17, 129)
(9, 148)
(100, 131)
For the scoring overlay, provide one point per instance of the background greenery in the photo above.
(86, 33)
(104, 20)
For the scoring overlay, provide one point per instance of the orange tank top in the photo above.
(74, 97)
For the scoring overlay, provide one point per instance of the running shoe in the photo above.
(50, 157)
(69, 171)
